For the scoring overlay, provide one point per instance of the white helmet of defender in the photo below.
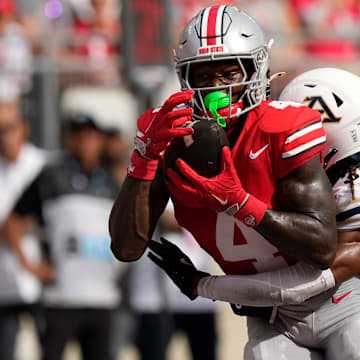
(335, 93)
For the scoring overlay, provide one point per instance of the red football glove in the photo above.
(155, 130)
(223, 192)
(157, 127)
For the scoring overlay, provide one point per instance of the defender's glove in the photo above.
(177, 265)
(223, 192)
(155, 130)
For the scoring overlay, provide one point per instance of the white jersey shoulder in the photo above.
(347, 196)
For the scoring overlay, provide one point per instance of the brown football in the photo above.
(201, 150)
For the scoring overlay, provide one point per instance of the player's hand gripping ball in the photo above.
(200, 150)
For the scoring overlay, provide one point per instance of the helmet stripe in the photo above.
(211, 28)
(212, 24)
(219, 25)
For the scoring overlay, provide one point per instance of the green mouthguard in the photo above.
(214, 101)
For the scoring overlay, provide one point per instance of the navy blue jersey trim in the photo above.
(348, 214)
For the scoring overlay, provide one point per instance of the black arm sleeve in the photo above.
(30, 202)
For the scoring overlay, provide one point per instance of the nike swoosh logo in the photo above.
(337, 300)
(256, 154)
(131, 168)
(221, 201)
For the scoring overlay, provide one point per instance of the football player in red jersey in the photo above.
(271, 206)
(334, 93)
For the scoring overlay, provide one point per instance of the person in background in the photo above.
(331, 28)
(22, 267)
(115, 158)
(161, 312)
(71, 198)
(116, 153)
(284, 25)
(16, 57)
(94, 38)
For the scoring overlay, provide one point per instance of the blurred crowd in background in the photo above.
(51, 46)
(78, 73)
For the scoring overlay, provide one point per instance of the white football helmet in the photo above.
(225, 33)
(335, 93)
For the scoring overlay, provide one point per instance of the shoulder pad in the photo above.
(283, 116)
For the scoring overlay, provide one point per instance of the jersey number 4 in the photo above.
(248, 245)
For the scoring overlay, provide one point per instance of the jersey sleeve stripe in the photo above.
(348, 214)
(211, 26)
(304, 147)
(303, 131)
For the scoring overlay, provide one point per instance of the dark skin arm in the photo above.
(347, 262)
(134, 215)
(306, 227)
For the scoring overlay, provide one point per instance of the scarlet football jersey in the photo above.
(277, 138)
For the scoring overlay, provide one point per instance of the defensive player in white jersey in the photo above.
(334, 93)
(222, 60)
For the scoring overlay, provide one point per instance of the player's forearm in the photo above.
(289, 285)
(129, 222)
(134, 216)
(14, 230)
(304, 237)
(305, 228)
(346, 263)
